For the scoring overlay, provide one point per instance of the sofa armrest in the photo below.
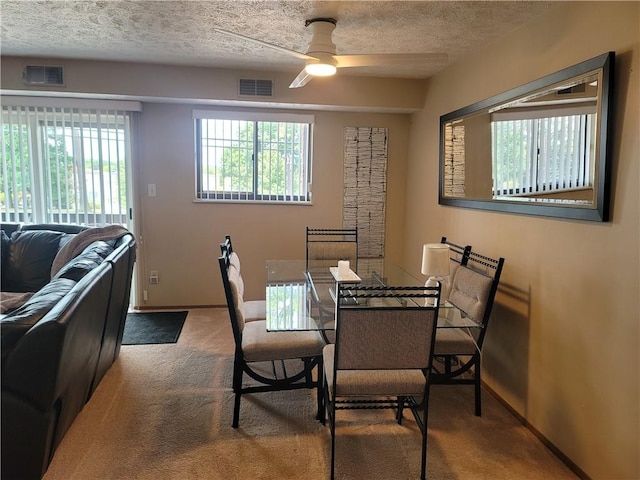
(59, 354)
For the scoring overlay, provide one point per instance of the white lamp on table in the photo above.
(435, 264)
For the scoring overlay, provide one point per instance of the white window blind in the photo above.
(64, 164)
(540, 155)
(249, 156)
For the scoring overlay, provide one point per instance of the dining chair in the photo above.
(458, 255)
(326, 246)
(383, 354)
(252, 309)
(255, 345)
(459, 350)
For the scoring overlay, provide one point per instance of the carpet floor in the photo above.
(164, 412)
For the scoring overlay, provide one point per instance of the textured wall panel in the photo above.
(365, 186)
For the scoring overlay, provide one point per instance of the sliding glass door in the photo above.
(65, 165)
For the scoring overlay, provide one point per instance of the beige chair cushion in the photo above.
(258, 345)
(328, 253)
(470, 292)
(234, 260)
(255, 310)
(237, 298)
(238, 277)
(364, 335)
(372, 382)
(454, 341)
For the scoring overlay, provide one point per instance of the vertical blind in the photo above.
(65, 165)
(287, 305)
(538, 155)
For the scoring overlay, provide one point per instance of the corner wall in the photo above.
(562, 347)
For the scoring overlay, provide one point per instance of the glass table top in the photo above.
(297, 299)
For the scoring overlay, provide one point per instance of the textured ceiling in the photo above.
(181, 32)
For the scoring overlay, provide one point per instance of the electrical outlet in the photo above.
(153, 277)
(145, 295)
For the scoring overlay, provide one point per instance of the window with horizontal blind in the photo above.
(545, 153)
(62, 164)
(246, 156)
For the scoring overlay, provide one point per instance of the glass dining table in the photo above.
(301, 299)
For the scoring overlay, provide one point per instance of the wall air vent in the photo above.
(255, 88)
(43, 75)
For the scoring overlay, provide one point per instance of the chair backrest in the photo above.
(325, 246)
(385, 328)
(458, 255)
(227, 248)
(233, 287)
(474, 288)
(226, 245)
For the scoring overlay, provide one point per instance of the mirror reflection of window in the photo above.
(544, 146)
(537, 156)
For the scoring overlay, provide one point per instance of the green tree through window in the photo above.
(252, 160)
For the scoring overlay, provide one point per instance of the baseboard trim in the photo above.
(545, 441)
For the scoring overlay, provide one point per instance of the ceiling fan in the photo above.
(321, 59)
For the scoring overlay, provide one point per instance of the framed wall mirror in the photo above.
(539, 149)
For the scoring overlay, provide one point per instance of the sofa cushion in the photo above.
(101, 248)
(18, 322)
(31, 254)
(82, 240)
(90, 258)
(55, 227)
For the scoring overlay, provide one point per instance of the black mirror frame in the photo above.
(599, 213)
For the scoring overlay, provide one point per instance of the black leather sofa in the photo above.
(59, 344)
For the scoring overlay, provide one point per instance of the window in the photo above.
(253, 157)
(64, 165)
(546, 154)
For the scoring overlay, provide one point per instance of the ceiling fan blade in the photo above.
(301, 80)
(264, 44)
(375, 60)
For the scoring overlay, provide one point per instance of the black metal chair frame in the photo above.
(301, 379)
(353, 296)
(226, 247)
(459, 253)
(457, 365)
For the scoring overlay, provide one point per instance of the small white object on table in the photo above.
(343, 273)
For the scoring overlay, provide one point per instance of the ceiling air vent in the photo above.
(43, 75)
(255, 88)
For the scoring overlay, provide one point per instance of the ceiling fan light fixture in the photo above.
(320, 69)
